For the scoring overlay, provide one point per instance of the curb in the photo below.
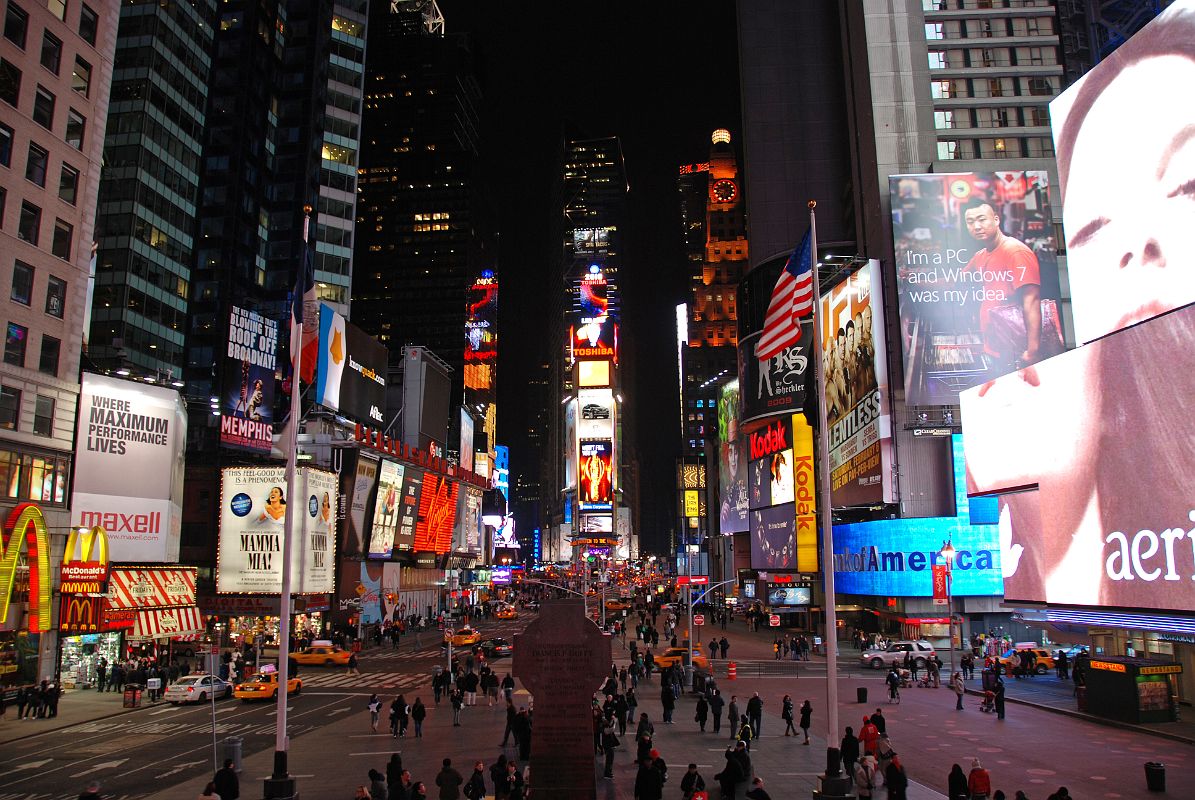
(1111, 723)
(69, 725)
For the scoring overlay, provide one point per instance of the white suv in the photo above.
(895, 654)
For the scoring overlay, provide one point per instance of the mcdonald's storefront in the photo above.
(27, 566)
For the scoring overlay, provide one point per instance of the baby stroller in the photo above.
(925, 681)
(906, 678)
(989, 702)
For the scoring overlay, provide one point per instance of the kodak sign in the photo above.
(26, 527)
(85, 563)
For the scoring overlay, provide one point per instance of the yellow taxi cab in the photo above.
(507, 612)
(465, 637)
(321, 652)
(264, 685)
(1011, 660)
(617, 605)
(676, 655)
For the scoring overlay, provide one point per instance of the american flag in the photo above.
(792, 299)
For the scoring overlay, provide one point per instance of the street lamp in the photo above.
(947, 554)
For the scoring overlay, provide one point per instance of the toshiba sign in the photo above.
(129, 467)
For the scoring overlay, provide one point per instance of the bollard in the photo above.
(732, 671)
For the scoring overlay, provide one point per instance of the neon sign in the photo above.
(27, 524)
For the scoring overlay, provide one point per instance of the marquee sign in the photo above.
(26, 525)
(84, 567)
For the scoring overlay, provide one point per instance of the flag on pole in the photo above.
(792, 300)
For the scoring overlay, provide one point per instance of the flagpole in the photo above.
(823, 480)
(280, 785)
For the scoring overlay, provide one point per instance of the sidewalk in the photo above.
(74, 708)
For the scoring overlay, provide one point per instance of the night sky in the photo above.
(661, 76)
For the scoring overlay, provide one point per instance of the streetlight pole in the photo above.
(948, 557)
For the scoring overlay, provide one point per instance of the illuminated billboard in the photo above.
(775, 385)
(481, 321)
(977, 278)
(894, 557)
(386, 509)
(1091, 452)
(732, 463)
(596, 475)
(358, 477)
(570, 444)
(770, 493)
(780, 594)
(408, 513)
(597, 523)
(1127, 231)
(247, 405)
(596, 420)
(437, 514)
(593, 374)
(351, 376)
(856, 363)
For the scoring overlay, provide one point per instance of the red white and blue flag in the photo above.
(792, 300)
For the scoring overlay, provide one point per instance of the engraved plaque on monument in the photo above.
(562, 658)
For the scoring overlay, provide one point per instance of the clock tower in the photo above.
(713, 320)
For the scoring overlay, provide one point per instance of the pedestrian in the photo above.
(649, 784)
(375, 710)
(806, 719)
(621, 709)
(849, 750)
(746, 732)
(377, 785)
(732, 716)
(879, 721)
(209, 791)
(691, 782)
(956, 683)
(884, 754)
(101, 669)
(668, 701)
(475, 787)
(92, 792)
(394, 784)
(609, 743)
(644, 728)
(352, 670)
(394, 706)
(713, 649)
(457, 698)
(498, 777)
(956, 784)
(724, 646)
(228, 785)
(449, 781)
(508, 687)
(865, 774)
(755, 714)
(896, 780)
(731, 774)
(513, 782)
(417, 791)
(757, 791)
(716, 706)
(703, 711)
(418, 715)
(979, 781)
(22, 701)
(786, 714)
(522, 734)
(1061, 794)
(999, 698)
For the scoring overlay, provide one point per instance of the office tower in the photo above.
(149, 189)
(56, 62)
(417, 211)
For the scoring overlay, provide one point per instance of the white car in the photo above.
(197, 689)
(895, 654)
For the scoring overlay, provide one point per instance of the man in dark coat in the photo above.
(755, 714)
(649, 783)
(849, 749)
(228, 786)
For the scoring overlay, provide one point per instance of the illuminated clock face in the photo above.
(724, 191)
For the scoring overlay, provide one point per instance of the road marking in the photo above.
(275, 711)
(336, 711)
(382, 753)
(166, 710)
(30, 765)
(804, 774)
(98, 767)
(179, 769)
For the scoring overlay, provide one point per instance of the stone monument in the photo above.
(562, 658)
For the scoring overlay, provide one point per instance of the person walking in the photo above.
(849, 750)
(691, 782)
(896, 780)
(418, 715)
(375, 710)
(979, 781)
(716, 705)
(999, 698)
(956, 784)
(649, 783)
(869, 735)
(724, 646)
(449, 781)
(609, 742)
(878, 720)
(474, 788)
(865, 773)
(352, 670)
(786, 714)
(668, 701)
(757, 792)
(394, 782)
(755, 715)
(806, 719)
(457, 698)
(377, 785)
(746, 732)
(228, 786)
(956, 684)
(394, 705)
(703, 712)
(732, 716)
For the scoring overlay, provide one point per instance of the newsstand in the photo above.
(1134, 690)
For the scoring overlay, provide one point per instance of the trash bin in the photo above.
(1081, 697)
(861, 694)
(1155, 776)
(232, 750)
(132, 695)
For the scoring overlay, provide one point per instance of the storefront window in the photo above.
(81, 654)
(18, 658)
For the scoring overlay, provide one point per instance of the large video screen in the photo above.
(481, 321)
(437, 513)
(785, 595)
(977, 278)
(773, 538)
(596, 478)
(1128, 219)
(732, 463)
(386, 509)
(351, 377)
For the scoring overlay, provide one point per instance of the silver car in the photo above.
(197, 689)
(894, 655)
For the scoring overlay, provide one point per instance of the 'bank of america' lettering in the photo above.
(872, 559)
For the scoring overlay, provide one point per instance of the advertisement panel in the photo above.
(472, 520)
(504, 534)
(779, 384)
(597, 523)
(437, 513)
(481, 322)
(893, 557)
(805, 495)
(408, 519)
(596, 473)
(1122, 231)
(253, 509)
(247, 407)
(570, 444)
(597, 414)
(357, 481)
(351, 370)
(854, 356)
(732, 463)
(771, 492)
(782, 594)
(977, 278)
(465, 454)
(129, 458)
(773, 532)
(593, 373)
(386, 509)
(1100, 439)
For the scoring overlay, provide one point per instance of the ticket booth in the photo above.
(1133, 690)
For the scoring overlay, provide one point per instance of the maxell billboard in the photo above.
(129, 460)
(247, 405)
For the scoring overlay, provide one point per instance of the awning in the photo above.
(164, 623)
